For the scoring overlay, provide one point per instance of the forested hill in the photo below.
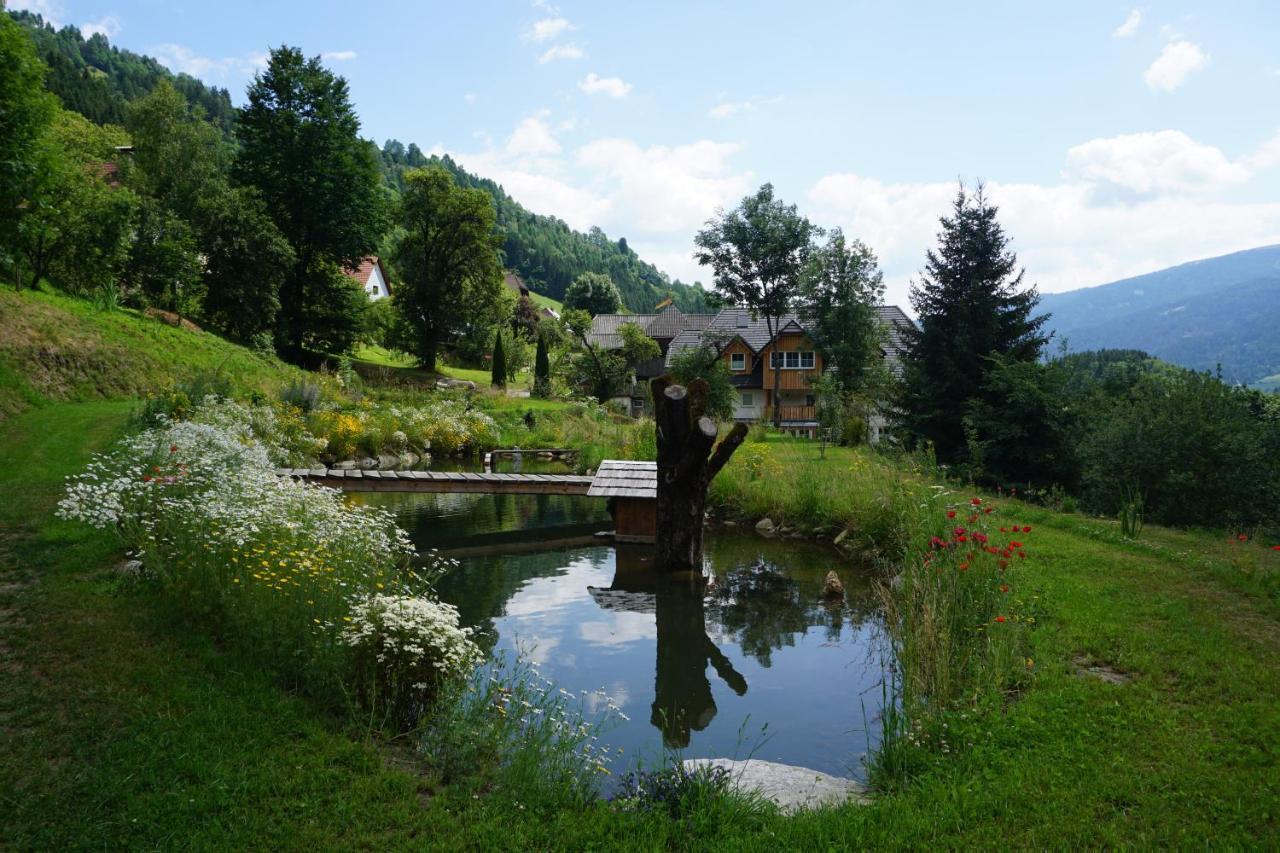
(97, 80)
(546, 252)
(1218, 311)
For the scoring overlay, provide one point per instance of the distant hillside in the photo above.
(1223, 310)
(97, 80)
(549, 254)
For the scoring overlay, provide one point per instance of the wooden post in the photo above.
(685, 470)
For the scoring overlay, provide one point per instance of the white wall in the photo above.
(376, 287)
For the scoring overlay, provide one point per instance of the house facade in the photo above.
(372, 278)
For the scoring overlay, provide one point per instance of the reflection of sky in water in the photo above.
(756, 648)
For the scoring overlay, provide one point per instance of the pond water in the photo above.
(749, 663)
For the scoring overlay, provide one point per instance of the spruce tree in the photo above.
(499, 368)
(970, 305)
(541, 369)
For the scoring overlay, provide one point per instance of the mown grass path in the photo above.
(120, 730)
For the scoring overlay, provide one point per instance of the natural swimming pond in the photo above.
(751, 663)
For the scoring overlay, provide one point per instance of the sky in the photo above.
(1116, 139)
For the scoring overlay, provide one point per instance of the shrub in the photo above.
(301, 395)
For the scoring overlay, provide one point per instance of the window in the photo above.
(810, 400)
(793, 360)
(806, 360)
(738, 361)
(748, 400)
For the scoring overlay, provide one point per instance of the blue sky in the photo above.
(1116, 138)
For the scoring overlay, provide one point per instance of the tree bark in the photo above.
(685, 438)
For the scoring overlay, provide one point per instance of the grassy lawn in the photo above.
(56, 347)
(120, 730)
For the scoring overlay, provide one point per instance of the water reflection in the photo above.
(700, 664)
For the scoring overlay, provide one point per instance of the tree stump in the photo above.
(686, 466)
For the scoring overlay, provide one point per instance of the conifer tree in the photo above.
(499, 367)
(541, 369)
(970, 305)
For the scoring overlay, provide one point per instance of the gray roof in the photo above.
(662, 326)
(733, 323)
(617, 478)
(604, 328)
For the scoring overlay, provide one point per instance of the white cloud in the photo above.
(470, 97)
(108, 26)
(1071, 235)
(614, 87)
(548, 29)
(1163, 161)
(184, 60)
(339, 55)
(1129, 27)
(533, 137)
(656, 196)
(50, 10)
(561, 51)
(1178, 61)
(726, 109)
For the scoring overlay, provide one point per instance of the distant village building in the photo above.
(749, 352)
(372, 278)
(513, 282)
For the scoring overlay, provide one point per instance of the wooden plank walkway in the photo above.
(355, 480)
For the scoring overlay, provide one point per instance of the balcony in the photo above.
(805, 414)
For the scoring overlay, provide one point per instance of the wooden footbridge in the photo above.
(354, 480)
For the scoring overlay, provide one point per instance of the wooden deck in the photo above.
(442, 481)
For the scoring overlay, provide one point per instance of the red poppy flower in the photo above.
(1022, 555)
(976, 501)
(964, 567)
(146, 478)
(962, 538)
(1004, 587)
(980, 537)
(989, 510)
(1275, 547)
(1027, 529)
(999, 618)
(173, 448)
(1243, 537)
(1004, 530)
(958, 531)
(935, 542)
(1004, 564)
(1015, 544)
(951, 513)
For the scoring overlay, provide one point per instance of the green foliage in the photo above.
(541, 370)
(970, 306)
(546, 252)
(703, 362)
(164, 267)
(300, 148)
(499, 367)
(98, 81)
(1131, 515)
(446, 262)
(26, 112)
(601, 373)
(842, 286)
(594, 293)
(758, 253)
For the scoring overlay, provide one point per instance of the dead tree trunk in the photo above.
(686, 466)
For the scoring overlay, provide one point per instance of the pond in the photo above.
(751, 663)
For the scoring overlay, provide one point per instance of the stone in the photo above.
(345, 465)
(766, 527)
(789, 787)
(367, 462)
(731, 523)
(388, 461)
(832, 589)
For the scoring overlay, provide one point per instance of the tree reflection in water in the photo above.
(682, 702)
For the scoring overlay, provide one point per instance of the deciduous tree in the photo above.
(757, 253)
(594, 293)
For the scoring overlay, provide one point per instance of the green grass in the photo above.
(383, 357)
(546, 302)
(57, 348)
(119, 730)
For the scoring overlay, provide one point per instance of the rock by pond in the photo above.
(789, 787)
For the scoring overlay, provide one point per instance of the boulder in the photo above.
(766, 527)
(832, 589)
(388, 461)
(345, 465)
(789, 787)
(366, 462)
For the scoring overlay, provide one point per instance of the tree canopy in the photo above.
(594, 293)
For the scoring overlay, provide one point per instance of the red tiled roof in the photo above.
(365, 269)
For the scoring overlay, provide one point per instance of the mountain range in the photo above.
(1217, 312)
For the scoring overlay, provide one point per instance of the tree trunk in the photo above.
(685, 438)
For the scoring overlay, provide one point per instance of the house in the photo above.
(750, 352)
(372, 278)
(513, 282)
(664, 327)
